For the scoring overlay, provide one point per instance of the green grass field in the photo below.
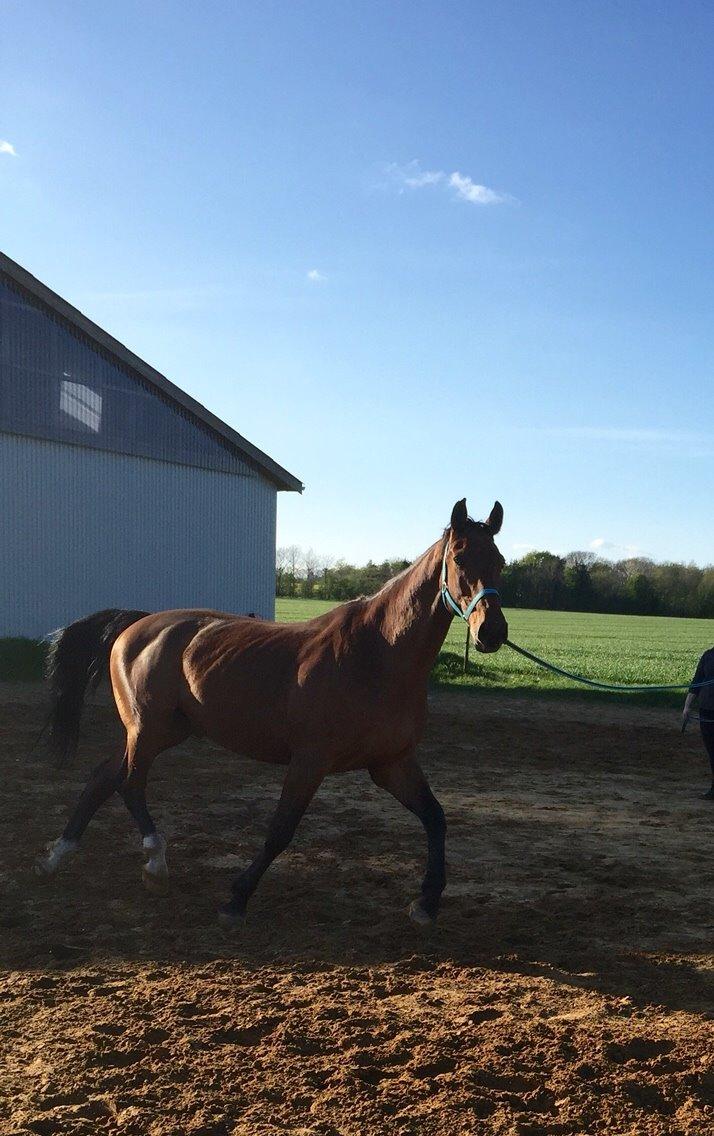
(21, 660)
(609, 648)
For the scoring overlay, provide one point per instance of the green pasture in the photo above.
(21, 660)
(610, 648)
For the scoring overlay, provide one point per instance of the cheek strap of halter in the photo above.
(450, 603)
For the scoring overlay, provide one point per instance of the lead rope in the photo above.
(601, 685)
(634, 689)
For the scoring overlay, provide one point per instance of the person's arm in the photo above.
(693, 695)
(689, 702)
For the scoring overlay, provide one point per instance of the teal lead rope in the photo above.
(601, 685)
(455, 608)
(633, 689)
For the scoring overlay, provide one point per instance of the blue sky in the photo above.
(414, 251)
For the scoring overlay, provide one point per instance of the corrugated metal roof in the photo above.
(265, 464)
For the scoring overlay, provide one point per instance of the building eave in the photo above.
(264, 464)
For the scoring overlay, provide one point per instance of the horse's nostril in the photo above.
(491, 638)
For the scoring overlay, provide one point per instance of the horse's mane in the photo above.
(394, 581)
(469, 521)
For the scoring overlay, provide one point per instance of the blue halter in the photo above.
(449, 601)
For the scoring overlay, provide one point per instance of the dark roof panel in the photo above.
(207, 422)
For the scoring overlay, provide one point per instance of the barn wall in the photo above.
(82, 530)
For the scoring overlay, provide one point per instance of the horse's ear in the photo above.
(459, 516)
(495, 518)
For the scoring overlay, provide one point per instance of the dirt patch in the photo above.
(566, 990)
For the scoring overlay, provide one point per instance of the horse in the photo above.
(346, 690)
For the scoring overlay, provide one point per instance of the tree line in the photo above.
(580, 581)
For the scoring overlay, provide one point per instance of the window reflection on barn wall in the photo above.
(57, 385)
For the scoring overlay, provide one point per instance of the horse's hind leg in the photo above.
(407, 783)
(302, 781)
(155, 872)
(144, 744)
(127, 777)
(105, 780)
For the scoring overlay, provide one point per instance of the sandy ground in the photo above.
(568, 988)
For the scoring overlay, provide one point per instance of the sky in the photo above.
(414, 251)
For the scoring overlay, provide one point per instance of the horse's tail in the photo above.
(77, 658)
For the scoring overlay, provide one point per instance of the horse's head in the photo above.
(471, 575)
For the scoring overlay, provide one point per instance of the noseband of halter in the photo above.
(450, 603)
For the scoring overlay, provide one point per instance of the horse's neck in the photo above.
(409, 610)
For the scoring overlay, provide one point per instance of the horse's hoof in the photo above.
(419, 916)
(155, 882)
(46, 865)
(43, 870)
(230, 920)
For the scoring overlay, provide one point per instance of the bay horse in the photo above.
(346, 690)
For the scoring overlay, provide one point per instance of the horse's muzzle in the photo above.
(492, 634)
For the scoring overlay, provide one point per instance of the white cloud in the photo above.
(468, 190)
(7, 148)
(415, 178)
(600, 544)
(428, 177)
(316, 277)
(412, 176)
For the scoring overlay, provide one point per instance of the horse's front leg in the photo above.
(302, 781)
(406, 782)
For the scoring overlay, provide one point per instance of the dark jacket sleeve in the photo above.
(699, 676)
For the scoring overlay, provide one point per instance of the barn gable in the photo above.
(64, 379)
(117, 489)
(58, 385)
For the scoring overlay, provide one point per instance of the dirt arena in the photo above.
(568, 988)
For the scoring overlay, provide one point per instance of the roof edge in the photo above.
(274, 472)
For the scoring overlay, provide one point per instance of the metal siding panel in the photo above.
(81, 530)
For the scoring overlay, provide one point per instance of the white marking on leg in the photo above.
(418, 915)
(154, 847)
(48, 864)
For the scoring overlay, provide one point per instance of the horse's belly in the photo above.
(243, 726)
(270, 714)
(251, 736)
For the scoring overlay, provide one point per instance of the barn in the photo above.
(117, 489)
